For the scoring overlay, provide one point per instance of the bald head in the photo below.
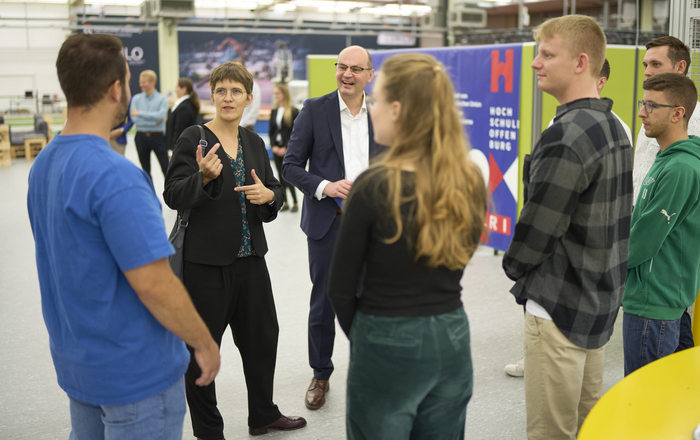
(357, 51)
(352, 73)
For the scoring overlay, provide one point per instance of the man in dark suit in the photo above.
(334, 135)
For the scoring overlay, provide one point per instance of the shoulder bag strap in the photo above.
(185, 219)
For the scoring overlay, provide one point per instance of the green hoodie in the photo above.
(663, 268)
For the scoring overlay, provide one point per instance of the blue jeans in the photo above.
(159, 417)
(409, 377)
(645, 340)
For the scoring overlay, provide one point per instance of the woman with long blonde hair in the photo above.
(411, 224)
(282, 119)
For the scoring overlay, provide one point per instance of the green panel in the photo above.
(320, 72)
(526, 98)
(620, 86)
(549, 109)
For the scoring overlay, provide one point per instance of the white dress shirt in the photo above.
(179, 101)
(355, 135)
(278, 120)
(647, 149)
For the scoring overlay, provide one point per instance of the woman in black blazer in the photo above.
(228, 184)
(281, 123)
(184, 112)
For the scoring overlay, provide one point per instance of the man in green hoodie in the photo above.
(663, 269)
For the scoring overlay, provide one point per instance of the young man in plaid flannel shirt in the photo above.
(569, 250)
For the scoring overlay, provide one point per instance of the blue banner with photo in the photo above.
(140, 50)
(487, 92)
(271, 58)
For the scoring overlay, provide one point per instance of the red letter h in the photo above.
(504, 69)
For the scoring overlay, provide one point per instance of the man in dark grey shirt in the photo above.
(569, 250)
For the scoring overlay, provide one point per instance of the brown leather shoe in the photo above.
(284, 423)
(316, 394)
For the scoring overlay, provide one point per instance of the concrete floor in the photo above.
(32, 406)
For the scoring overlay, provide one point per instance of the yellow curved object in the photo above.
(659, 401)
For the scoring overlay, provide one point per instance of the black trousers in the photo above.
(147, 143)
(239, 296)
(285, 184)
(686, 336)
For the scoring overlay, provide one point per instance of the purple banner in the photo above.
(487, 92)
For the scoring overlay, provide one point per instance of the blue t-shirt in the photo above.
(95, 215)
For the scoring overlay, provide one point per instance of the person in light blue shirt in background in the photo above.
(148, 111)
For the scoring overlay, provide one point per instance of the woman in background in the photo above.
(184, 112)
(411, 224)
(281, 122)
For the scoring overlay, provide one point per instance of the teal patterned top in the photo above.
(238, 166)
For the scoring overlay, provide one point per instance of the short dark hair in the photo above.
(678, 89)
(677, 50)
(605, 71)
(87, 65)
(234, 71)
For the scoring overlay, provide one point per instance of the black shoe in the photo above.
(295, 208)
(284, 207)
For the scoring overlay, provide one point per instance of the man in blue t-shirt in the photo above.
(115, 312)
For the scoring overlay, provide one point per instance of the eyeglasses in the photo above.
(649, 106)
(222, 93)
(354, 69)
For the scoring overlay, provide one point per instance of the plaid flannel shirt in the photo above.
(569, 248)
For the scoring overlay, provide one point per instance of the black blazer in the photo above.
(215, 228)
(283, 130)
(184, 116)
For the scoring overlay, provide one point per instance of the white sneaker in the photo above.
(516, 369)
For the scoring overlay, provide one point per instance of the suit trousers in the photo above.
(321, 314)
(156, 143)
(562, 381)
(239, 296)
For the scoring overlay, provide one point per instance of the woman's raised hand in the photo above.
(210, 165)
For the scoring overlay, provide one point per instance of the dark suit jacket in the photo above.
(214, 231)
(283, 130)
(317, 139)
(184, 116)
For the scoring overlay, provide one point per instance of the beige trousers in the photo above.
(562, 381)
